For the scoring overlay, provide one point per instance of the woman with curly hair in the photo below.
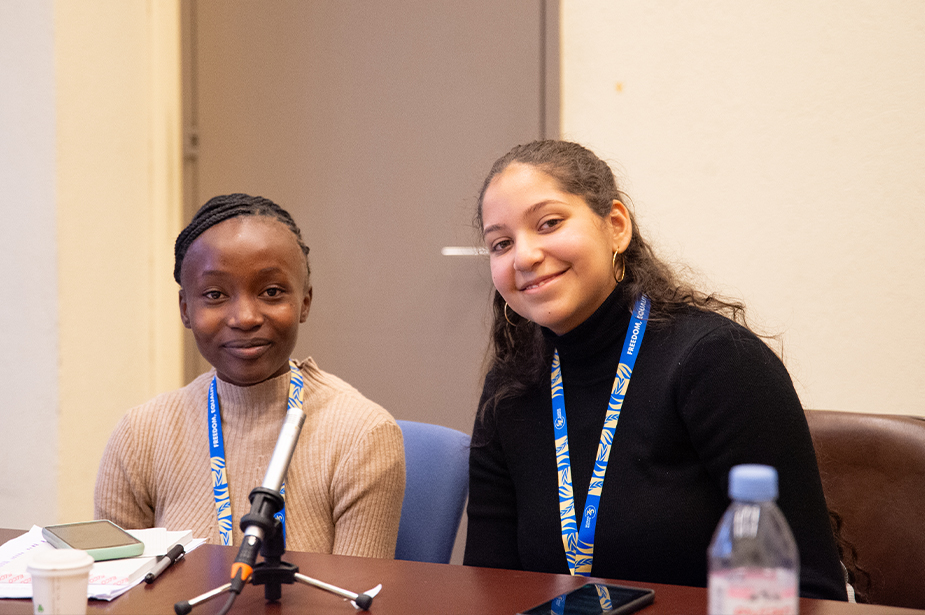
(665, 388)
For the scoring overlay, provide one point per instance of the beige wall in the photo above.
(91, 159)
(778, 148)
(119, 203)
(28, 273)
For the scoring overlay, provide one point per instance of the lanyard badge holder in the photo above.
(263, 525)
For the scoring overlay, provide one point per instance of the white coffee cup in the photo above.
(59, 581)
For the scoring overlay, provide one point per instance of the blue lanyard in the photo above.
(220, 488)
(579, 541)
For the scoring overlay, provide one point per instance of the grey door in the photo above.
(374, 122)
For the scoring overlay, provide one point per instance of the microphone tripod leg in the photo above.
(182, 608)
(363, 601)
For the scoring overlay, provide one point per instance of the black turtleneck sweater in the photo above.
(706, 394)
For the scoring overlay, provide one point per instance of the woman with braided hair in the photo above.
(664, 393)
(188, 459)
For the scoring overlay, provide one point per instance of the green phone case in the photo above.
(103, 540)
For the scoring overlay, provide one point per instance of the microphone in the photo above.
(285, 446)
(266, 500)
(262, 533)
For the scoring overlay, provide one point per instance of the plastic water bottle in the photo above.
(753, 559)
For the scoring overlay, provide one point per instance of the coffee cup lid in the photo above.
(60, 559)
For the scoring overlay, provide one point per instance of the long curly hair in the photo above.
(519, 356)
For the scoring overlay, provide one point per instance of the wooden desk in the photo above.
(408, 588)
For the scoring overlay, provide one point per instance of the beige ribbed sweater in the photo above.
(345, 483)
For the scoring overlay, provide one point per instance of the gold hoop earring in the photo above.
(506, 317)
(622, 268)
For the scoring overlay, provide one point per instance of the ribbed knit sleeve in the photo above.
(121, 488)
(353, 449)
(365, 487)
(155, 468)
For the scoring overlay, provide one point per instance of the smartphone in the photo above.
(596, 599)
(101, 539)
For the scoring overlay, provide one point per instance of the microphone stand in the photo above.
(263, 534)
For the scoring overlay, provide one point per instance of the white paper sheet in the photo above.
(108, 579)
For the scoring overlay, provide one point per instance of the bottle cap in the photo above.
(753, 483)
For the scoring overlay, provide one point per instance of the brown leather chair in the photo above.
(873, 476)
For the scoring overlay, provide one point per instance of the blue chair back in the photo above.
(436, 486)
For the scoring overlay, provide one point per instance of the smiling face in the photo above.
(550, 254)
(244, 294)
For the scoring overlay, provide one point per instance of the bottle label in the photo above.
(753, 591)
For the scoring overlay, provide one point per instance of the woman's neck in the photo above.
(593, 345)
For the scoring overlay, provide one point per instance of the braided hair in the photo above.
(221, 208)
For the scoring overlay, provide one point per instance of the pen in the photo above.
(164, 563)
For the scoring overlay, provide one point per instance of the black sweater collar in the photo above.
(592, 349)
